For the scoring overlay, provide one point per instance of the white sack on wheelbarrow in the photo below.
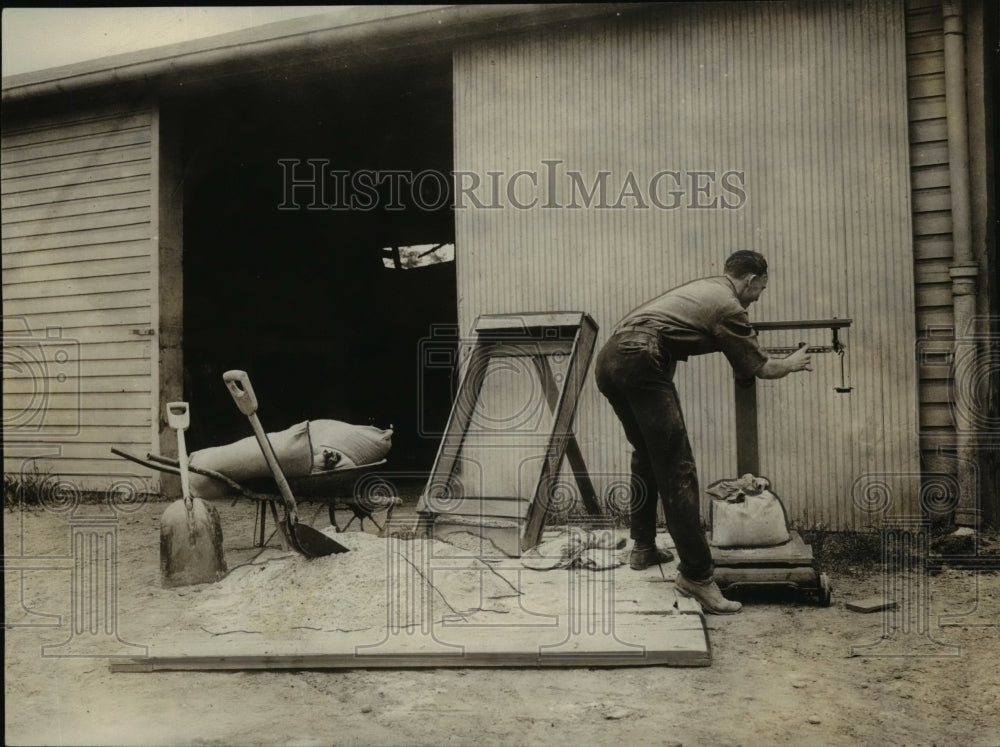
(338, 445)
(307, 447)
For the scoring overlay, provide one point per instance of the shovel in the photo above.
(190, 530)
(310, 542)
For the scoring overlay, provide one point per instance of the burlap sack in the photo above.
(749, 521)
(243, 460)
(339, 445)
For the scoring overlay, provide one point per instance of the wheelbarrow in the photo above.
(359, 489)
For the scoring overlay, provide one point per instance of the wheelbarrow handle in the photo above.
(238, 383)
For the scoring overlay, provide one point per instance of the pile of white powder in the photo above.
(379, 580)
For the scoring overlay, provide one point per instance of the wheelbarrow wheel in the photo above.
(373, 495)
(332, 511)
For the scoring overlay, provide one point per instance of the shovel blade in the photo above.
(311, 542)
(191, 544)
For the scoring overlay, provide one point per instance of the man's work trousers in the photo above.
(637, 380)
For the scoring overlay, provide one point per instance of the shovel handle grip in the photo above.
(178, 415)
(238, 383)
(179, 418)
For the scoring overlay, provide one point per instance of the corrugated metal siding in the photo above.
(808, 100)
(78, 232)
(932, 243)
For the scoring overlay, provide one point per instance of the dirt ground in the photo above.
(782, 673)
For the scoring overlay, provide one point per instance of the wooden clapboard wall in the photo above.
(79, 228)
(808, 102)
(932, 245)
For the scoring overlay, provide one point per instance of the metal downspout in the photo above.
(963, 271)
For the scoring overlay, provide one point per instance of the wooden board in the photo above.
(871, 604)
(795, 552)
(673, 641)
(802, 577)
(500, 537)
(616, 617)
(473, 507)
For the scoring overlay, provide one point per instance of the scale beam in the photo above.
(747, 446)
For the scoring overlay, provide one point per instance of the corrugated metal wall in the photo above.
(808, 102)
(78, 298)
(932, 244)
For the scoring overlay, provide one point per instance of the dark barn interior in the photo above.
(300, 297)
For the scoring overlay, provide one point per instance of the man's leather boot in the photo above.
(645, 554)
(708, 594)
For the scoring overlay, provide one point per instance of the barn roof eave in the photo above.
(369, 30)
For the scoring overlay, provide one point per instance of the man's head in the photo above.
(748, 271)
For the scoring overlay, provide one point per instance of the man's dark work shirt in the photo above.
(703, 316)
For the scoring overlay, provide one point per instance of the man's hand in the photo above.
(777, 368)
(799, 360)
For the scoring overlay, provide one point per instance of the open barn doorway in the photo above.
(327, 308)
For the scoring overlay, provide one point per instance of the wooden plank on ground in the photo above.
(871, 604)
(578, 618)
(678, 640)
